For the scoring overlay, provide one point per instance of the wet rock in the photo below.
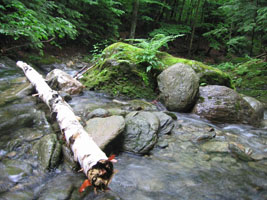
(257, 106)
(60, 80)
(14, 91)
(240, 151)
(104, 130)
(141, 130)
(49, 151)
(138, 104)
(60, 187)
(224, 105)
(178, 87)
(15, 170)
(166, 123)
(215, 147)
(20, 195)
(205, 136)
(99, 112)
(69, 159)
(117, 111)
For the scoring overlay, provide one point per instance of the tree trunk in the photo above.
(134, 19)
(84, 149)
(193, 28)
(181, 12)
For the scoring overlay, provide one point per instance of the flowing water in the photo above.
(179, 167)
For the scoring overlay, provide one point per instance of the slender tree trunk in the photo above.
(181, 12)
(84, 149)
(193, 28)
(134, 19)
(253, 30)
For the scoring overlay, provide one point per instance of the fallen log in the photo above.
(93, 161)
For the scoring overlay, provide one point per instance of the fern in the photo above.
(151, 49)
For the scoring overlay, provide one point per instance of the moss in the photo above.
(207, 74)
(119, 77)
(251, 79)
(121, 73)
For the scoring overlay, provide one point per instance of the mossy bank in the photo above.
(119, 71)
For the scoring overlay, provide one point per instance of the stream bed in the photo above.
(180, 166)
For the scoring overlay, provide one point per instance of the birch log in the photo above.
(84, 149)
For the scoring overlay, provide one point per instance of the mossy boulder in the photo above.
(120, 72)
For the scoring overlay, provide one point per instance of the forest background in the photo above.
(229, 34)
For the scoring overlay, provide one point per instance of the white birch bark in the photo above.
(84, 149)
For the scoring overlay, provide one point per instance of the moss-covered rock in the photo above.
(120, 72)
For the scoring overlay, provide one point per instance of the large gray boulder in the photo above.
(60, 80)
(178, 87)
(224, 105)
(104, 130)
(141, 132)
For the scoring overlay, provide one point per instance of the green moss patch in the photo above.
(250, 78)
(120, 72)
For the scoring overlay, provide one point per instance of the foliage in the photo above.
(151, 49)
(170, 29)
(34, 21)
(249, 77)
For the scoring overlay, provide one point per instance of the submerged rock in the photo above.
(178, 87)
(141, 132)
(104, 130)
(224, 105)
(215, 147)
(60, 80)
(240, 151)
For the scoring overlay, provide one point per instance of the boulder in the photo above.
(104, 130)
(60, 80)
(141, 132)
(178, 87)
(224, 105)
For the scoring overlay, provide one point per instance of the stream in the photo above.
(179, 167)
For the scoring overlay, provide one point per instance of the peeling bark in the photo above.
(85, 150)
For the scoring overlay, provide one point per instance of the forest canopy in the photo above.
(231, 26)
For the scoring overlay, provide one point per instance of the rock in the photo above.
(60, 80)
(224, 105)
(215, 147)
(60, 187)
(141, 130)
(257, 106)
(240, 151)
(104, 130)
(49, 151)
(138, 104)
(178, 87)
(166, 123)
(99, 112)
